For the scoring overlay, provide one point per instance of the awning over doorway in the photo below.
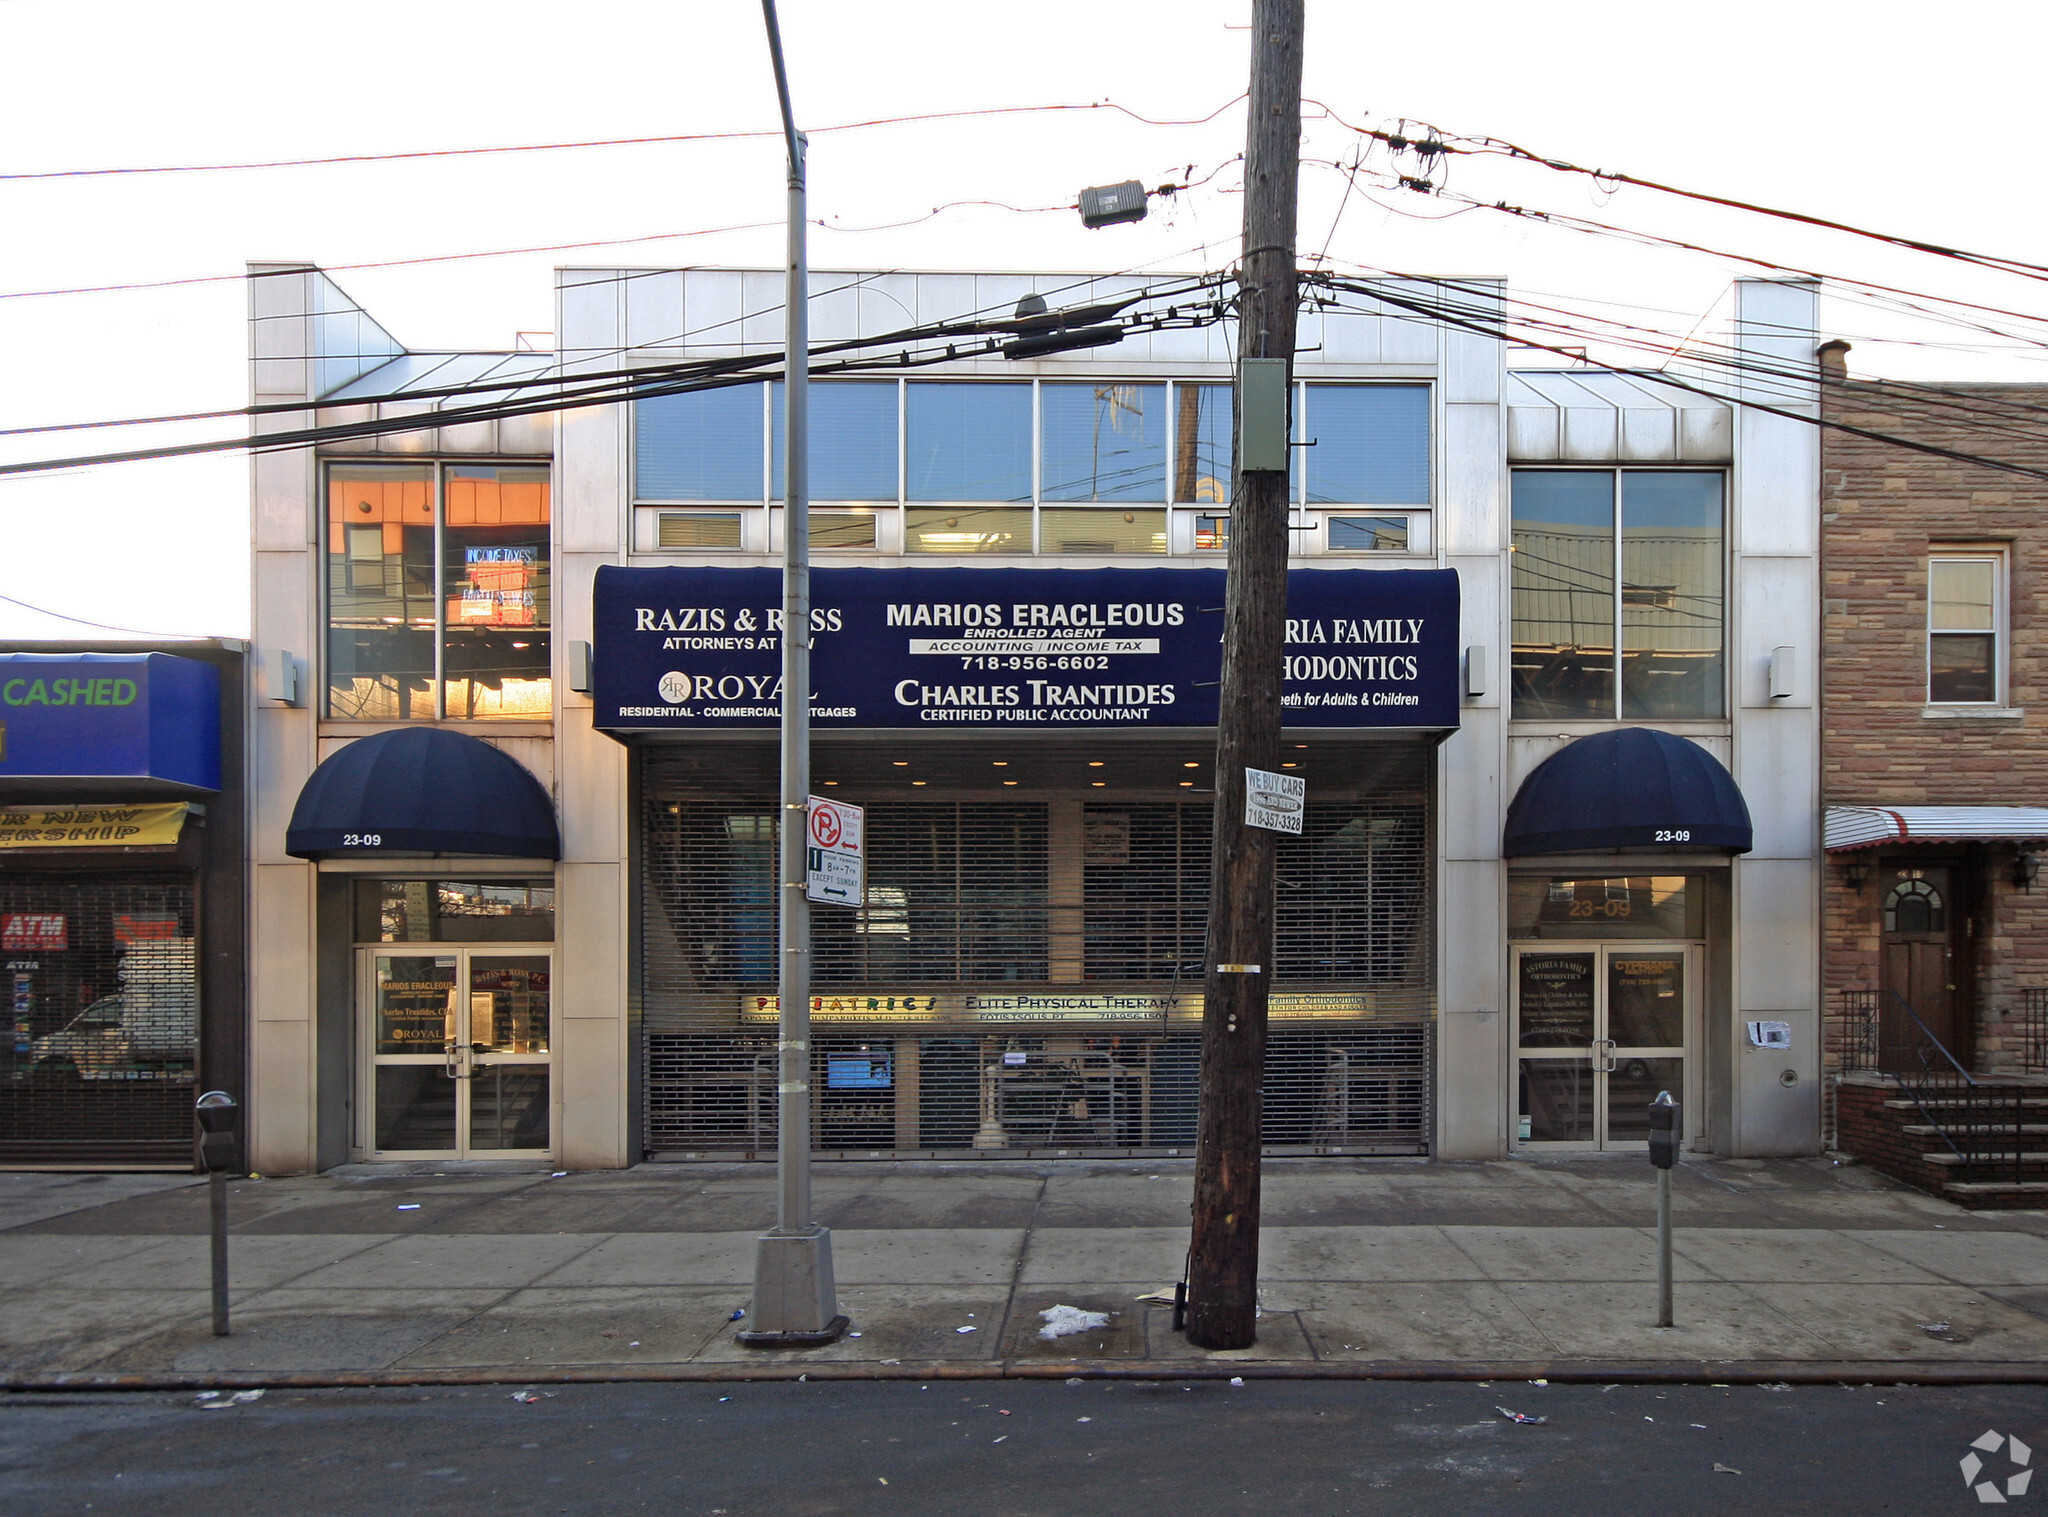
(422, 791)
(1634, 788)
(1849, 827)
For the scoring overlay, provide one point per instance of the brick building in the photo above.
(1934, 775)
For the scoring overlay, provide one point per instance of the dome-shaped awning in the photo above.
(1635, 788)
(422, 791)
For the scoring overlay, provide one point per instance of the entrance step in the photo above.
(1977, 1129)
(1993, 1093)
(1989, 1156)
(2031, 1191)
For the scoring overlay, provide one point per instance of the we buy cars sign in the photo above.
(835, 865)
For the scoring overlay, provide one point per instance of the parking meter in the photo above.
(1664, 1130)
(217, 1112)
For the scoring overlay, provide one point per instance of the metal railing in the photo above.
(1982, 1125)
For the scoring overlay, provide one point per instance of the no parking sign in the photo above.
(835, 867)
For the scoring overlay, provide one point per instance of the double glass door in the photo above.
(458, 1063)
(1601, 1028)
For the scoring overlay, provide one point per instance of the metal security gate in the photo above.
(1026, 976)
(102, 1048)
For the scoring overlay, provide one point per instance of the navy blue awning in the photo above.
(422, 790)
(1633, 788)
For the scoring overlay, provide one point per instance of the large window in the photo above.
(1019, 466)
(1965, 626)
(1618, 612)
(437, 591)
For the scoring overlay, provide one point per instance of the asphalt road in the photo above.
(1018, 1449)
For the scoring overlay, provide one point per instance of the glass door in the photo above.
(458, 1062)
(1600, 1030)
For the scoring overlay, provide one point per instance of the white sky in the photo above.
(1878, 115)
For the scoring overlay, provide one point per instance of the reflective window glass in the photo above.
(495, 570)
(1960, 594)
(1563, 573)
(380, 591)
(454, 911)
(1619, 906)
(965, 529)
(853, 441)
(703, 445)
(1102, 442)
(1369, 444)
(968, 441)
(1671, 594)
(1962, 629)
(697, 529)
(1101, 530)
(1202, 423)
(1368, 534)
(836, 529)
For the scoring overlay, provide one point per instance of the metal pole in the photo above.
(1663, 1248)
(217, 1184)
(795, 1301)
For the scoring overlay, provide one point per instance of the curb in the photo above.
(1572, 1372)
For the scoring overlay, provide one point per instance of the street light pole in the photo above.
(796, 1303)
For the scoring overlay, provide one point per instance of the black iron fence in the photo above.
(1977, 1123)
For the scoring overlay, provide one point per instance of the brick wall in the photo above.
(1883, 507)
(1873, 1132)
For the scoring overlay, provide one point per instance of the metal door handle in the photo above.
(460, 1064)
(1604, 1062)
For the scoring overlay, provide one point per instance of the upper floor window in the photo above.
(1020, 466)
(437, 591)
(1965, 626)
(1618, 613)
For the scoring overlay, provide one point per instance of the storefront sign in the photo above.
(835, 858)
(1006, 650)
(986, 1010)
(1274, 802)
(31, 932)
(151, 719)
(91, 826)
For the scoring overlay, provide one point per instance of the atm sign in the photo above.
(25, 932)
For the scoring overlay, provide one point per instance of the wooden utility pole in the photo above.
(1223, 1263)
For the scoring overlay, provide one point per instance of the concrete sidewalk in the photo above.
(945, 1267)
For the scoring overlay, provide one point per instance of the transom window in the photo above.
(1055, 466)
(1914, 906)
(1619, 613)
(437, 591)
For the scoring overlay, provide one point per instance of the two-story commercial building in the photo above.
(1549, 680)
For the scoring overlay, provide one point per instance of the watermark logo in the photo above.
(2017, 1458)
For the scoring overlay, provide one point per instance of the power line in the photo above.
(1495, 331)
(604, 142)
(1439, 143)
(65, 616)
(969, 323)
(638, 386)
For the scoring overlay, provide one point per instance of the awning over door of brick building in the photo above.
(1848, 827)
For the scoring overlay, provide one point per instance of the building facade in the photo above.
(122, 893)
(1549, 683)
(1937, 792)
